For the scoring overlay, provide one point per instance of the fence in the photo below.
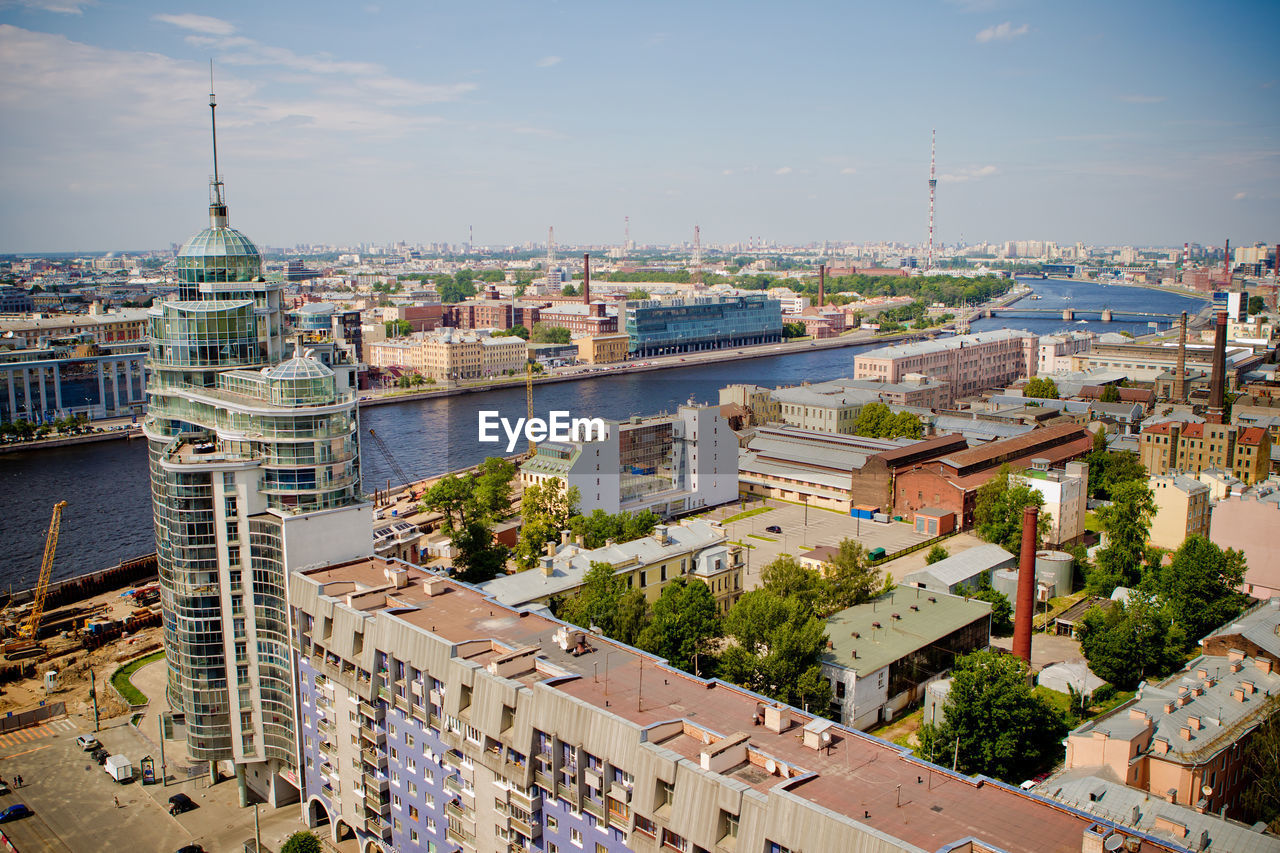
(911, 549)
(22, 719)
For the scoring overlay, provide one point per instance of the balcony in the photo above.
(460, 836)
(593, 808)
(527, 802)
(456, 809)
(530, 830)
(376, 781)
(367, 710)
(375, 803)
(376, 757)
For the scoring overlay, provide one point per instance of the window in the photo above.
(666, 793)
(575, 837)
(728, 826)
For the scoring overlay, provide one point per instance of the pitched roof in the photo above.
(1018, 445)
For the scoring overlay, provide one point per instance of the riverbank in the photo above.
(110, 434)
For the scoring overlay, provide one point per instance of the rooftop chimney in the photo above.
(1180, 378)
(1218, 382)
(1025, 610)
(822, 285)
(1226, 261)
(586, 278)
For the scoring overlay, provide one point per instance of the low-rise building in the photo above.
(593, 319)
(1187, 738)
(432, 717)
(692, 324)
(1192, 447)
(451, 355)
(882, 654)
(1055, 351)
(756, 399)
(694, 550)
(951, 482)
(1182, 510)
(30, 331)
(966, 569)
(1256, 632)
(604, 348)
(669, 464)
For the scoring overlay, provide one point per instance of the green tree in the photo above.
(516, 331)
(1257, 305)
(877, 420)
(638, 293)
(1199, 585)
(1110, 394)
(600, 526)
(849, 579)
(569, 289)
(1127, 522)
(632, 618)
(596, 602)
(544, 333)
(1261, 799)
(994, 723)
(1109, 467)
(455, 289)
(480, 557)
(1040, 388)
(491, 487)
(793, 330)
(998, 511)
(936, 555)
(785, 577)
(778, 641)
(301, 842)
(1001, 608)
(398, 328)
(1130, 641)
(684, 619)
(545, 509)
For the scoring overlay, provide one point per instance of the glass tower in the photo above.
(254, 472)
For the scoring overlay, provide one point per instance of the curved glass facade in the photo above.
(219, 254)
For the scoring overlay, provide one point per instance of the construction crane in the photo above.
(391, 459)
(26, 643)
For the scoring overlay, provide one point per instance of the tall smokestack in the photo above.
(1180, 378)
(586, 278)
(1226, 261)
(822, 285)
(1025, 611)
(1218, 382)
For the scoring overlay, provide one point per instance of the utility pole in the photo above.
(164, 775)
(257, 835)
(93, 694)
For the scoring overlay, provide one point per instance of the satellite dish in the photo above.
(826, 738)
(1207, 791)
(771, 766)
(1114, 842)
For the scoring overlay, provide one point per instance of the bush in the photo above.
(301, 842)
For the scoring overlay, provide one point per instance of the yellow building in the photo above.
(450, 355)
(694, 550)
(1182, 510)
(602, 349)
(1172, 447)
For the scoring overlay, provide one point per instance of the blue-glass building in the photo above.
(658, 327)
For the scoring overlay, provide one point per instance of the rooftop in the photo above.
(943, 344)
(959, 568)
(857, 778)
(868, 637)
(1260, 625)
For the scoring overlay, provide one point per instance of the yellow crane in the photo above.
(32, 625)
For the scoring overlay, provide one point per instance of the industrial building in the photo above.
(965, 570)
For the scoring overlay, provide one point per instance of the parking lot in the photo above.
(74, 800)
(804, 529)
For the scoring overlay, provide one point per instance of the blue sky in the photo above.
(1106, 122)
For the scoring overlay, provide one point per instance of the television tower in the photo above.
(551, 251)
(696, 277)
(626, 236)
(933, 187)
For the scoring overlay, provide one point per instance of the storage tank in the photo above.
(1054, 568)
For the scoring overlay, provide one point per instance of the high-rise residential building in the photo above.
(254, 473)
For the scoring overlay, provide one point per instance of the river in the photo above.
(108, 514)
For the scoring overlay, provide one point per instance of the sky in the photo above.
(1111, 123)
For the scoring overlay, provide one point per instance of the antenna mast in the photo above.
(551, 251)
(215, 186)
(933, 186)
(626, 236)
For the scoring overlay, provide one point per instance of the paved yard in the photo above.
(803, 530)
(1046, 649)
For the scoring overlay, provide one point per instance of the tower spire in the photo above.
(933, 186)
(217, 206)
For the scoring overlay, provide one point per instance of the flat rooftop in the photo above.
(872, 782)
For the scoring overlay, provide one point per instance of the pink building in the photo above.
(969, 364)
(1249, 523)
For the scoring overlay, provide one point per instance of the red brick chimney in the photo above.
(1025, 610)
(822, 285)
(1218, 381)
(586, 278)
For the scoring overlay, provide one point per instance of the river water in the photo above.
(108, 514)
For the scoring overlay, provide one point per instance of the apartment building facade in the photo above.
(603, 348)
(968, 364)
(1182, 510)
(1175, 446)
(433, 718)
(1066, 496)
(452, 355)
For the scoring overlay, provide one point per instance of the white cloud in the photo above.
(848, 170)
(1240, 195)
(1002, 32)
(1142, 99)
(60, 7)
(198, 24)
(971, 173)
(548, 61)
(785, 170)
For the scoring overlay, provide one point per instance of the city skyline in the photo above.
(383, 124)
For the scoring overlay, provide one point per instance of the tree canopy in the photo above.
(994, 723)
(877, 420)
(683, 619)
(1127, 522)
(545, 333)
(1130, 641)
(998, 511)
(936, 555)
(1198, 586)
(301, 841)
(600, 526)
(1040, 388)
(545, 510)
(778, 643)
(1107, 468)
(1261, 799)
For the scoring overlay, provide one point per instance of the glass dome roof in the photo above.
(219, 253)
(299, 367)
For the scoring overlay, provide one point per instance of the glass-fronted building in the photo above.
(255, 472)
(658, 327)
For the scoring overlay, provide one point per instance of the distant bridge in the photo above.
(1105, 314)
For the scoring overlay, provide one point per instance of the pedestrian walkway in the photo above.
(36, 732)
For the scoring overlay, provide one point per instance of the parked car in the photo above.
(100, 755)
(87, 742)
(191, 848)
(17, 811)
(773, 528)
(180, 803)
